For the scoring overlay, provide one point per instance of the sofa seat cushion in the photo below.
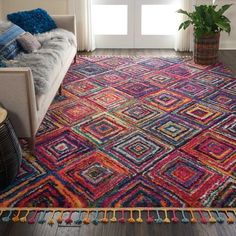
(44, 100)
(47, 62)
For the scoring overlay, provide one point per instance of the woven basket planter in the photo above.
(10, 153)
(206, 49)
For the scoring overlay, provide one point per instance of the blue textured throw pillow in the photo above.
(9, 47)
(35, 21)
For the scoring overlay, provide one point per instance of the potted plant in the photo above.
(208, 21)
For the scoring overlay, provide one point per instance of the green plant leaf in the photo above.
(224, 26)
(224, 18)
(224, 8)
(183, 12)
(185, 25)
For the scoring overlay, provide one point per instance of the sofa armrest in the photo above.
(67, 22)
(17, 95)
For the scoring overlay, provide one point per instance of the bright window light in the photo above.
(110, 19)
(158, 19)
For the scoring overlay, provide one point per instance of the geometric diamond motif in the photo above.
(222, 99)
(225, 196)
(88, 69)
(171, 129)
(212, 79)
(134, 70)
(108, 98)
(72, 76)
(115, 62)
(227, 127)
(200, 114)
(187, 177)
(82, 88)
(192, 89)
(214, 149)
(101, 129)
(61, 100)
(140, 192)
(46, 192)
(222, 70)
(138, 151)
(155, 63)
(94, 175)
(73, 113)
(231, 87)
(47, 126)
(201, 67)
(137, 113)
(136, 88)
(182, 71)
(29, 170)
(112, 78)
(165, 100)
(158, 80)
(61, 147)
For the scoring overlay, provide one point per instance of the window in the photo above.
(110, 19)
(158, 19)
(135, 23)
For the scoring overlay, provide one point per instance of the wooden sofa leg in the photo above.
(75, 59)
(60, 90)
(31, 143)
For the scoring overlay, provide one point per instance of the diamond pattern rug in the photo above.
(134, 132)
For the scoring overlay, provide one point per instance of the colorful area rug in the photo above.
(134, 132)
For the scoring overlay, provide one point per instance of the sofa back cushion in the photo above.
(9, 47)
(35, 21)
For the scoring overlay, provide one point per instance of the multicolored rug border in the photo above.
(135, 56)
(38, 215)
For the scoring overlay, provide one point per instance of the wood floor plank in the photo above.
(68, 231)
(45, 230)
(228, 57)
(5, 228)
(21, 229)
(117, 229)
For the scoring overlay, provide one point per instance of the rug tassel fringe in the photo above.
(114, 219)
(90, 215)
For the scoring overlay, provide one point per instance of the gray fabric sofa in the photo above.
(17, 88)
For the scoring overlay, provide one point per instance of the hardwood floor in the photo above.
(228, 57)
(136, 52)
(117, 229)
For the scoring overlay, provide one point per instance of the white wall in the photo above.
(229, 41)
(52, 6)
(1, 9)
